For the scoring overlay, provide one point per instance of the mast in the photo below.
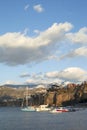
(26, 96)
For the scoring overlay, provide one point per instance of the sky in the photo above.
(43, 41)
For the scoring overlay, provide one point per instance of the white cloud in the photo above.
(37, 75)
(18, 49)
(11, 82)
(26, 7)
(38, 8)
(71, 74)
(78, 37)
(79, 46)
(25, 75)
(82, 51)
(40, 78)
(36, 31)
(43, 81)
(53, 74)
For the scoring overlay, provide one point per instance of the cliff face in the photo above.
(68, 95)
(49, 98)
(60, 97)
(55, 95)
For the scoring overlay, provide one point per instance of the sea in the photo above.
(12, 118)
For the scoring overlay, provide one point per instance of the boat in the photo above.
(43, 108)
(26, 107)
(60, 110)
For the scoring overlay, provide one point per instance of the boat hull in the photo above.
(59, 110)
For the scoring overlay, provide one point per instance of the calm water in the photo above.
(15, 119)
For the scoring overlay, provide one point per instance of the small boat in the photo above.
(43, 108)
(28, 109)
(59, 110)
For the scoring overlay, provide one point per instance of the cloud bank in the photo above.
(71, 74)
(19, 49)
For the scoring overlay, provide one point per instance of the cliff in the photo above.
(55, 95)
(69, 95)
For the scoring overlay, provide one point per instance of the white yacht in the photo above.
(43, 108)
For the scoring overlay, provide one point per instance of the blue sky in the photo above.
(43, 41)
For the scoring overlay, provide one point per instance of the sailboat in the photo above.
(27, 108)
